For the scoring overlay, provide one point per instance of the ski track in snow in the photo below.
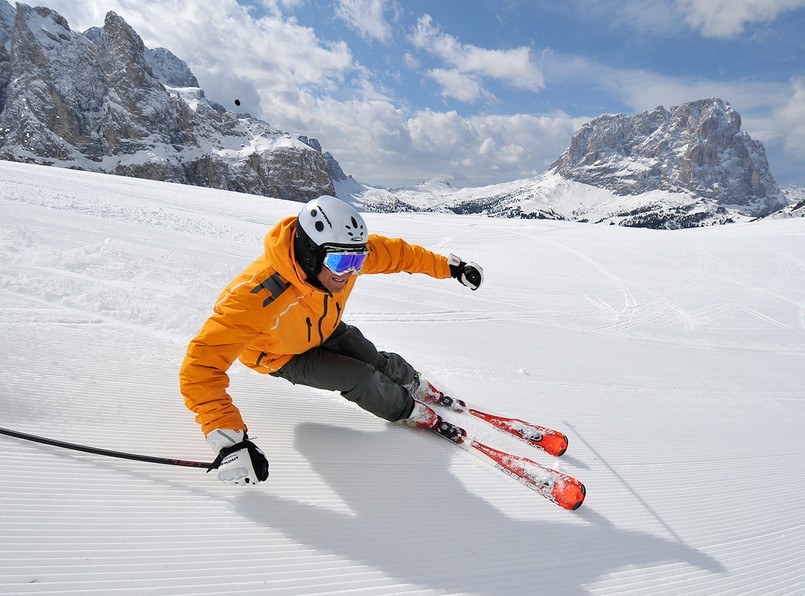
(673, 361)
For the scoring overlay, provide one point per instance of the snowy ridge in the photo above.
(554, 197)
(672, 360)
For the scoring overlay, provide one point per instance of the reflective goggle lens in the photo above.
(342, 262)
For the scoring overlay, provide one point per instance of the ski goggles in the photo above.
(344, 262)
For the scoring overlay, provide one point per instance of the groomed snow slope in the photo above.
(673, 361)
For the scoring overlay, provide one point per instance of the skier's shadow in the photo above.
(410, 518)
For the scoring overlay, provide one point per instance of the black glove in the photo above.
(239, 460)
(469, 274)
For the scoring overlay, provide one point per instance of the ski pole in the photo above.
(107, 452)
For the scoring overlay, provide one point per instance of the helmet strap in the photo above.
(309, 256)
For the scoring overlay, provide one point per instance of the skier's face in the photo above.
(332, 282)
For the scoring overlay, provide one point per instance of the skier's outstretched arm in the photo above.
(395, 255)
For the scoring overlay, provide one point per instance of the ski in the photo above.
(559, 488)
(551, 441)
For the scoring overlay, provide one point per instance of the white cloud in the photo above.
(489, 147)
(781, 128)
(512, 66)
(379, 143)
(727, 18)
(367, 17)
(410, 61)
(788, 120)
(458, 85)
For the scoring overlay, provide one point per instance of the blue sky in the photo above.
(479, 91)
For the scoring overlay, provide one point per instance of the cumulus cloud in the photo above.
(782, 130)
(789, 119)
(728, 18)
(458, 85)
(502, 147)
(367, 17)
(513, 66)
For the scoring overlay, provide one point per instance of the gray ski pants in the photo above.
(349, 363)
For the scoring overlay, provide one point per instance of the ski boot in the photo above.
(423, 416)
(422, 390)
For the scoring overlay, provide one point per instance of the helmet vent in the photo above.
(355, 231)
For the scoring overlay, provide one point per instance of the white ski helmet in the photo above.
(330, 222)
(323, 224)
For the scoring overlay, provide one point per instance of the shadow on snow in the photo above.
(422, 526)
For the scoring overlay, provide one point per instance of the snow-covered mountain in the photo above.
(672, 360)
(101, 101)
(551, 196)
(684, 167)
(697, 147)
(796, 207)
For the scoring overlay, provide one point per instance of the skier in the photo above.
(282, 317)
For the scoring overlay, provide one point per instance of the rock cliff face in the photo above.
(685, 167)
(697, 147)
(102, 101)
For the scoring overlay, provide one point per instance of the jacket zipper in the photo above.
(323, 316)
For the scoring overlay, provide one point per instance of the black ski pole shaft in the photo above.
(107, 452)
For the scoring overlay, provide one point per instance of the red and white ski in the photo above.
(551, 441)
(559, 488)
(564, 490)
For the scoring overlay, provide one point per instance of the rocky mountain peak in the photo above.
(697, 147)
(102, 101)
(170, 70)
(687, 166)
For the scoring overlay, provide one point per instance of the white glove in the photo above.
(239, 460)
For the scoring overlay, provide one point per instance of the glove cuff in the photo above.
(456, 265)
(221, 438)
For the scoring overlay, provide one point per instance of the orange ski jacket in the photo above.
(269, 313)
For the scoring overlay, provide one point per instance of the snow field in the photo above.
(672, 360)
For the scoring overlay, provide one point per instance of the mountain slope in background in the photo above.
(796, 207)
(101, 101)
(673, 361)
(684, 167)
